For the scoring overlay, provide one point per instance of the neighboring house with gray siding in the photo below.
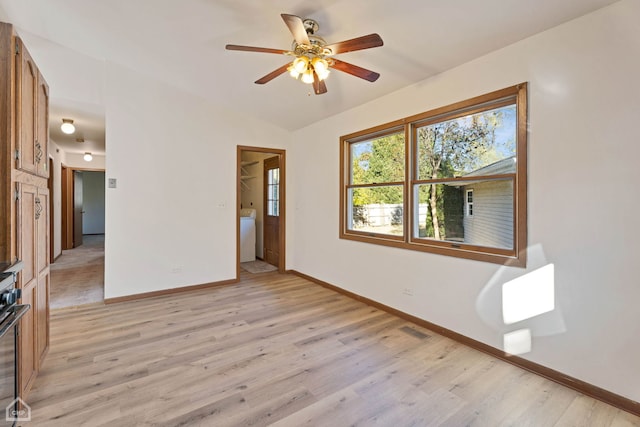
(488, 207)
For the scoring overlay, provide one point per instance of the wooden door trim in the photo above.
(67, 202)
(51, 213)
(66, 186)
(282, 223)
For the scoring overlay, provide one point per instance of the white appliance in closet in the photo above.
(247, 235)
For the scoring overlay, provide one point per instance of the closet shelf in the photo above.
(245, 174)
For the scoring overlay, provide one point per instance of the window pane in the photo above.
(484, 219)
(378, 160)
(376, 210)
(477, 144)
(273, 192)
(274, 176)
(272, 207)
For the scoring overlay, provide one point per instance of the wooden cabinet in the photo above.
(24, 195)
(33, 249)
(32, 117)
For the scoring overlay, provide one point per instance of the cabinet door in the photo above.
(42, 128)
(27, 92)
(27, 364)
(41, 303)
(41, 312)
(30, 217)
(42, 217)
(27, 233)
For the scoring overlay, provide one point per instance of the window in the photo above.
(376, 189)
(450, 181)
(273, 192)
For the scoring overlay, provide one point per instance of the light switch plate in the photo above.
(112, 183)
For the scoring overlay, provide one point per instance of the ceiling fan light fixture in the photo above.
(307, 76)
(323, 75)
(293, 72)
(321, 67)
(67, 126)
(300, 64)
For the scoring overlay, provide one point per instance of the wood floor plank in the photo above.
(276, 349)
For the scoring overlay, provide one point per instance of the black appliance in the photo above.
(10, 314)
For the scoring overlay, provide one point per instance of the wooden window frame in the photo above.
(516, 256)
(389, 129)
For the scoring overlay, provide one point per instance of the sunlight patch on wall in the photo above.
(517, 342)
(522, 305)
(529, 295)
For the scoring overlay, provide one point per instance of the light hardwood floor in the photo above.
(77, 276)
(278, 350)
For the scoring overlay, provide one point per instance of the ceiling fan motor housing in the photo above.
(310, 26)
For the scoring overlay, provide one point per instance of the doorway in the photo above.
(77, 276)
(261, 181)
(83, 205)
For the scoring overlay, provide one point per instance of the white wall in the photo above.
(93, 191)
(58, 159)
(171, 221)
(583, 172)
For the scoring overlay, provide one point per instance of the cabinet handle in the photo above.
(38, 152)
(38, 208)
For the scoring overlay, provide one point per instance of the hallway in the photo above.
(77, 276)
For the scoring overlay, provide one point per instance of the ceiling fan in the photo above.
(313, 57)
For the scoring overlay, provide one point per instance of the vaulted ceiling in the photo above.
(182, 43)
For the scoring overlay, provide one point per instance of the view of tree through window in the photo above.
(378, 173)
(455, 184)
(478, 144)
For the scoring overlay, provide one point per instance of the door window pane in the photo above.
(273, 192)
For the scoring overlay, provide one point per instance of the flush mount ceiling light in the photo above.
(67, 126)
(313, 56)
(88, 157)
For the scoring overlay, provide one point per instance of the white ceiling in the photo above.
(182, 42)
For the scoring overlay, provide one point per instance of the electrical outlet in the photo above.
(408, 291)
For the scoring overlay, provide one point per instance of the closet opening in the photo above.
(260, 210)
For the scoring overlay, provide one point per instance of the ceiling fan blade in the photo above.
(297, 28)
(354, 70)
(255, 49)
(359, 43)
(272, 75)
(319, 87)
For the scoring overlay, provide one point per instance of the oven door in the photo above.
(8, 385)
